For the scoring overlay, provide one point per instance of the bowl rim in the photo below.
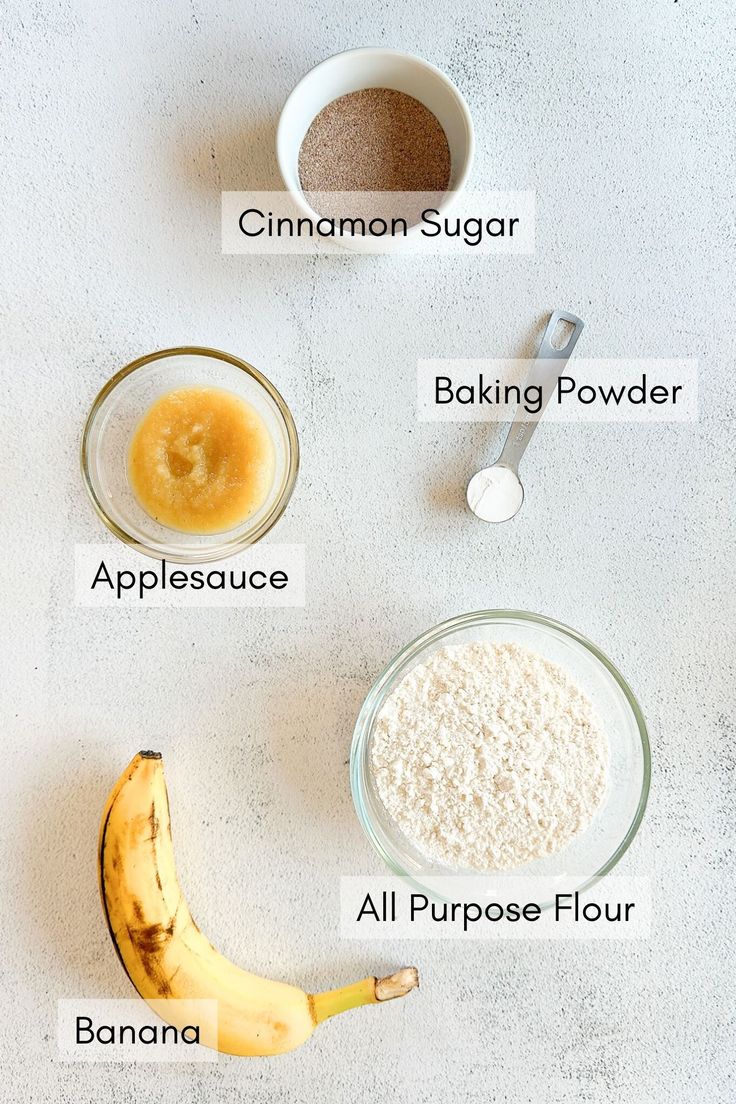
(359, 747)
(449, 198)
(200, 554)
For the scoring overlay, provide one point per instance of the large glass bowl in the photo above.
(590, 855)
(114, 416)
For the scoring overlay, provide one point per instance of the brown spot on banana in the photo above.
(154, 825)
(150, 942)
(152, 939)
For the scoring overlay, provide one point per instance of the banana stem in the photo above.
(368, 991)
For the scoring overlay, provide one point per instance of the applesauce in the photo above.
(201, 460)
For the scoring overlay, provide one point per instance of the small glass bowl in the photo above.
(112, 420)
(593, 853)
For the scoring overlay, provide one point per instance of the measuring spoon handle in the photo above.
(544, 373)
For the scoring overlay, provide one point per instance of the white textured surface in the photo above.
(120, 125)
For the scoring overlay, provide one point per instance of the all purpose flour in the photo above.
(488, 756)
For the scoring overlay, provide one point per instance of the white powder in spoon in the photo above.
(495, 494)
(488, 756)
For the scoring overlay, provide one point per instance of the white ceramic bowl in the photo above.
(374, 67)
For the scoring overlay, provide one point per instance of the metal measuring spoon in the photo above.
(496, 493)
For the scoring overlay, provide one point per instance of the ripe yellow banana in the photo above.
(163, 951)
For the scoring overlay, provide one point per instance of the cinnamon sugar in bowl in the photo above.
(376, 123)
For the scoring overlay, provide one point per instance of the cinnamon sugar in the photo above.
(375, 140)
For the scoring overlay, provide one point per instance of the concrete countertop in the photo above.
(120, 126)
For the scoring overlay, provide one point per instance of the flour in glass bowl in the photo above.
(488, 756)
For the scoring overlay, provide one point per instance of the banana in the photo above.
(166, 956)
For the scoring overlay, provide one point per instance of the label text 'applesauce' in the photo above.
(265, 575)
